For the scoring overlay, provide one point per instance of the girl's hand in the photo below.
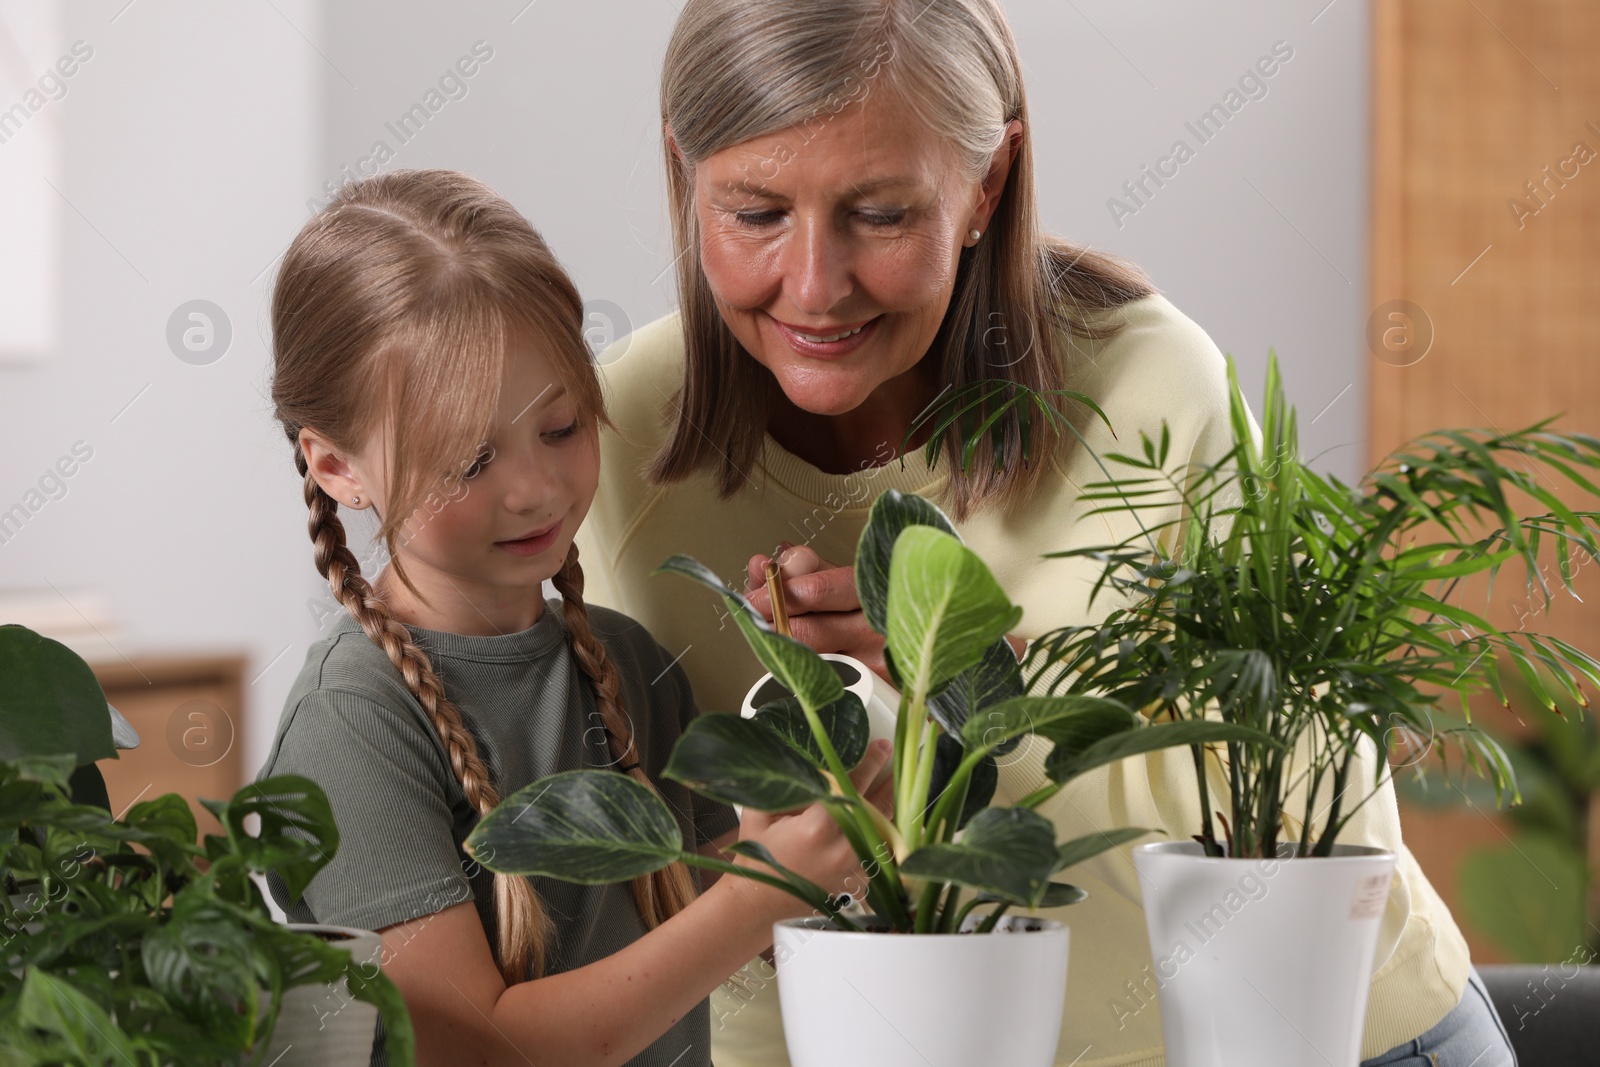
(811, 844)
(824, 609)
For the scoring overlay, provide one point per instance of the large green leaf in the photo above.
(589, 827)
(297, 835)
(994, 678)
(200, 961)
(945, 608)
(1065, 763)
(88, 787)
(1073, 721)
(892, 512)
(53, 1022)
(807, 674)
(739, 761)
(1009, 852)
(844, 720)
(50, 701)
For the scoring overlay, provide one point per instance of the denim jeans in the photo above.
(1470, 1036)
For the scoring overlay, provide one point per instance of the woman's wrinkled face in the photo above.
(831, 247)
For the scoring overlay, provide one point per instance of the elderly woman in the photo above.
(852, 197)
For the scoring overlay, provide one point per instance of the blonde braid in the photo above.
(663, 893)
(523, 927)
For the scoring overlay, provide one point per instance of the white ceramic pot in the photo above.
(922, 1000)
(1260, 961)
(322, 1025)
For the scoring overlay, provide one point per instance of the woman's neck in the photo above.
(867, 435)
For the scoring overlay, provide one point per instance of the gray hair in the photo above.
(739, 69)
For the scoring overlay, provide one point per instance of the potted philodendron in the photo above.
(123, 941)
(1322, 616)
(946, 868)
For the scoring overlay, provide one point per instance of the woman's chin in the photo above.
(823, 403)
(824, 392)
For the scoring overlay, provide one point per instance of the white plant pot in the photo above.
(322, 1025)
(922, 1000)
(1259, 961)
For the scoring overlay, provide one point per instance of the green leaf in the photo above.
(1065, 763)
(167, 816)
(994, 678)
(845, 721)
(739, 761)
(298, 835)
(892, 512)
(51, 702)
(53, 1022)
(87, 786)
(947, 756)
(589, 827)
(1009, 852)
(1056, 895)
(945, 608)
(1071, 853)
(1072, 721)
(806, 674)
(200, 961)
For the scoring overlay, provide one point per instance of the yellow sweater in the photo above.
(1161, 365)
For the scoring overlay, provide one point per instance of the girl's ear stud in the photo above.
(355, 500)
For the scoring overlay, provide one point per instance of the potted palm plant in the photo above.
(1323, 617)
(123, 941)
(946, 868)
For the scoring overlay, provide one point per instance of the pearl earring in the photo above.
(975, 234)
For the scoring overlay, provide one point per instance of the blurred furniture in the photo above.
(1550, 1012)
(1484, 304)
(189, 714)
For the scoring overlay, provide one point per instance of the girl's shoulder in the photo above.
(349, 704)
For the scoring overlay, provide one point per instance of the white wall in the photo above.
(197, 134)
(189, 138)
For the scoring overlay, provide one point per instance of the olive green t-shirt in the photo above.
(351, 725)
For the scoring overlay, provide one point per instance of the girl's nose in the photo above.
(530, 487)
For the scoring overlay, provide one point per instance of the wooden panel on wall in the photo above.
(188, 711)
(1486, 224)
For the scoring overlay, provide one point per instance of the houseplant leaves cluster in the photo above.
(946, 850)
(1324, 615)
(125, 942)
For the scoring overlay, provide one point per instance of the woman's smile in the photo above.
(826, 342)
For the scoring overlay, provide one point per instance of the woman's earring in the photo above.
(974, 234)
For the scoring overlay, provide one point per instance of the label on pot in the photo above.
(1371, 894)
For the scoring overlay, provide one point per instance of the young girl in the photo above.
(429, 365)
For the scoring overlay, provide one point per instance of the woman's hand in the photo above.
(810, 843)
(824, 609)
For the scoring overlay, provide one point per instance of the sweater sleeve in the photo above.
(396, 857)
